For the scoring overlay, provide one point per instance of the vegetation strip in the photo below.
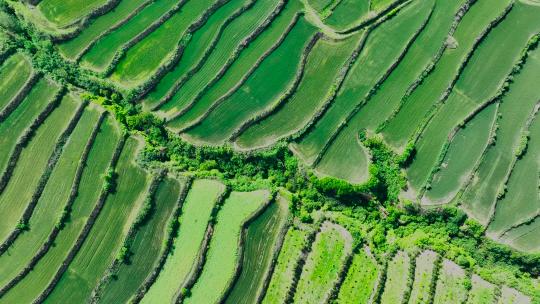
(164, 68)
(501, 92)
(64, 215)
(246, 76)
(140, 36)
(241, 245)
(84, 233)
(372, 91)
(182, 80)
(433, 110)
(342, 274)
(83, 22)
(197, 268)
(275, 255)
(451, 138)
(51, 163)
(298, 269)
(26, 137)
(337, 87)
(243, 45)
(142, 216)
(21, 94)
(285, 97)
(431, 65)
(397, 5)
(114, 27)
(152, 277)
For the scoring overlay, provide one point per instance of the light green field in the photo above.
(22, 117)
(263, 88)
(99, 157)
(323, 264)
(386, 99)
(463, 153)
(482, 192)
(383, 46)
(319, 5)
(348, 13)
(194, 52)
(322, 67)
(106, 236)
(245, 61)
(397, 274)
(147, 246)
(196, 211)
(483, 76)
(14, 72)
(360, 281)
(31, 165)
(346, 159)
(451, 284)
(524, 237)
(52, 201)
(102, 53)
(284, 270)
(380, 4)
(423, 274)
(260, 243)
(65, 12)
(403, 125)
(143, 59)
(521, 201)
(482, 292)
(512, 296)
(420, 54)
(73, 47)
(222, 254)
(229, 42)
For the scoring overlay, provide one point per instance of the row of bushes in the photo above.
(225, 67)
(344, 123)
(172, 233)
(185, 289)
(63, 216)
(182, 80)
(381, 282)
(241, 241)
(299, 267)
(20, 96)
(532, 44)
(273, 262)
(139, 37)
(434, 109)
(282, 100)
(279, 167)
(112, 28)
(27, 136)
(429, 67)
(239, 84)
(335, 89)
(43, 180)
(390, 10)
(125, 252)
(85, 231)
(343, 272)
(143, 89)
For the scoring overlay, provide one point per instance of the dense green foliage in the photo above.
(372, 211)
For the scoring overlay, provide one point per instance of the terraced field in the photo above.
(269, 151)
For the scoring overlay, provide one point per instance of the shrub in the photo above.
(109, 181)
